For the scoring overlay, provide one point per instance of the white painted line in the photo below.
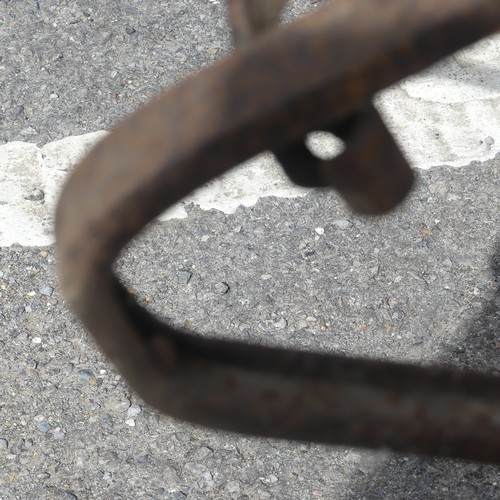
(27, 171)
(449, 114)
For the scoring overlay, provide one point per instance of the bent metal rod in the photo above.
(318, 73)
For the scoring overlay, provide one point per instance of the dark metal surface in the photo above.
(372, 174)
(317, 74)
(250, 18)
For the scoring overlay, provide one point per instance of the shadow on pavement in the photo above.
(424, 478)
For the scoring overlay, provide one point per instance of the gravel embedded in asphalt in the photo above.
(420, 285)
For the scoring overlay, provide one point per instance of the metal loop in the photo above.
(267, 95)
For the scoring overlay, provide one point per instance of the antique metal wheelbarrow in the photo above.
(318, 73)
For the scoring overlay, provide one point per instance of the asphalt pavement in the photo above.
(420, 285)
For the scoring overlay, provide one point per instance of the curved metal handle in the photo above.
(264, 96)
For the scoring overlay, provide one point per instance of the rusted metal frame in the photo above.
(251, 18)
(370, 183)
(371, 174)
(264, 96)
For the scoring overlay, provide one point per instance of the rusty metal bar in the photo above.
(250, 18)
(267, 95)
(371, 174)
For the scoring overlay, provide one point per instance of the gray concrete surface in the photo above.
(421, 285)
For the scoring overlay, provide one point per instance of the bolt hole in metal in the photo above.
(324, 145)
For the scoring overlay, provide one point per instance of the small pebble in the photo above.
(489, 141)
(42, 424)
(43, 254)
(178, 495)
(35, 195)
(308, 252)
(320, 230)
(130, 422)
(107, 476)
(143, 459)
(67, 495)
(46, 290)
(272, 478)
(134, 410)
(85, 375)
(107, 418)
(233, 486)
(59, 434)
(130, 30)
(282, 323)
(4, 444)
(342, 223)
(16, 111)
(221, 288)
(184, 277)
